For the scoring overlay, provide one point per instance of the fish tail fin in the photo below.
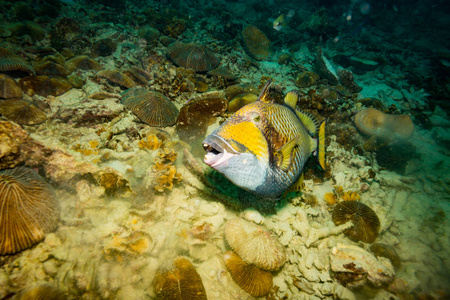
(321, 145)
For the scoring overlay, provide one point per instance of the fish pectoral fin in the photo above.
(286, 154)
(298, 185)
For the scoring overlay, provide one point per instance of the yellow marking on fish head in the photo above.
(246, 136)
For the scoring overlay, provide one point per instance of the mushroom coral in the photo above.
(376, 123)
(366, 224)
(28, 209)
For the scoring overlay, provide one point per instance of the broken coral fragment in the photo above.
(354, 267)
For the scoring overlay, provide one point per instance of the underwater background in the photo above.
(104, 109)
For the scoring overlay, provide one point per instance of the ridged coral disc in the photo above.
(178, 280)
(152, 108)
(366, 224)
(22, 112)
(117, 77)
(251, 279)
(9, 88)
(255, 245)
(256, 42)
(28, 209)
(11, 62)
(193, 56)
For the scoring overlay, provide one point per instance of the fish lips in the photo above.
(218, 151)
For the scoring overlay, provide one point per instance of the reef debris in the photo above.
(354, 267)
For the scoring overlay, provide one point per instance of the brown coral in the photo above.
(387, 251)
(347, 80)
(178, 280)
(323, 67)
(255, 245)
(193, 56)
(251, 279)
(376, 123)
(104, 47)
(366, 224)
(139, 75)
(152, 108)
(22, 112)
(256, 42)
(82, 62)
(117, 77)
(306, 79)
(240, 101)
(104, 95)
(44, 85)
(11, 62)
(223, 72)
(193, 120)
(9, 88)
(236, 89)
(28, 209)
(52, 69)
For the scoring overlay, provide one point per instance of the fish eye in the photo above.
(256, 117)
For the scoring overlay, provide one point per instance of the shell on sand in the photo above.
(255, 245)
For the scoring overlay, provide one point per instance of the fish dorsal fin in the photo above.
(298, 185)
(291, 99)
(308, 121)
(286, 154)
(264, 95)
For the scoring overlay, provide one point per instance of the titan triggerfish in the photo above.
(263, 147)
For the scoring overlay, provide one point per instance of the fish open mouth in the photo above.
(217, 150)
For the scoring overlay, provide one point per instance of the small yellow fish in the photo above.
(282, 20)
(279, 23)
(263, 147)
